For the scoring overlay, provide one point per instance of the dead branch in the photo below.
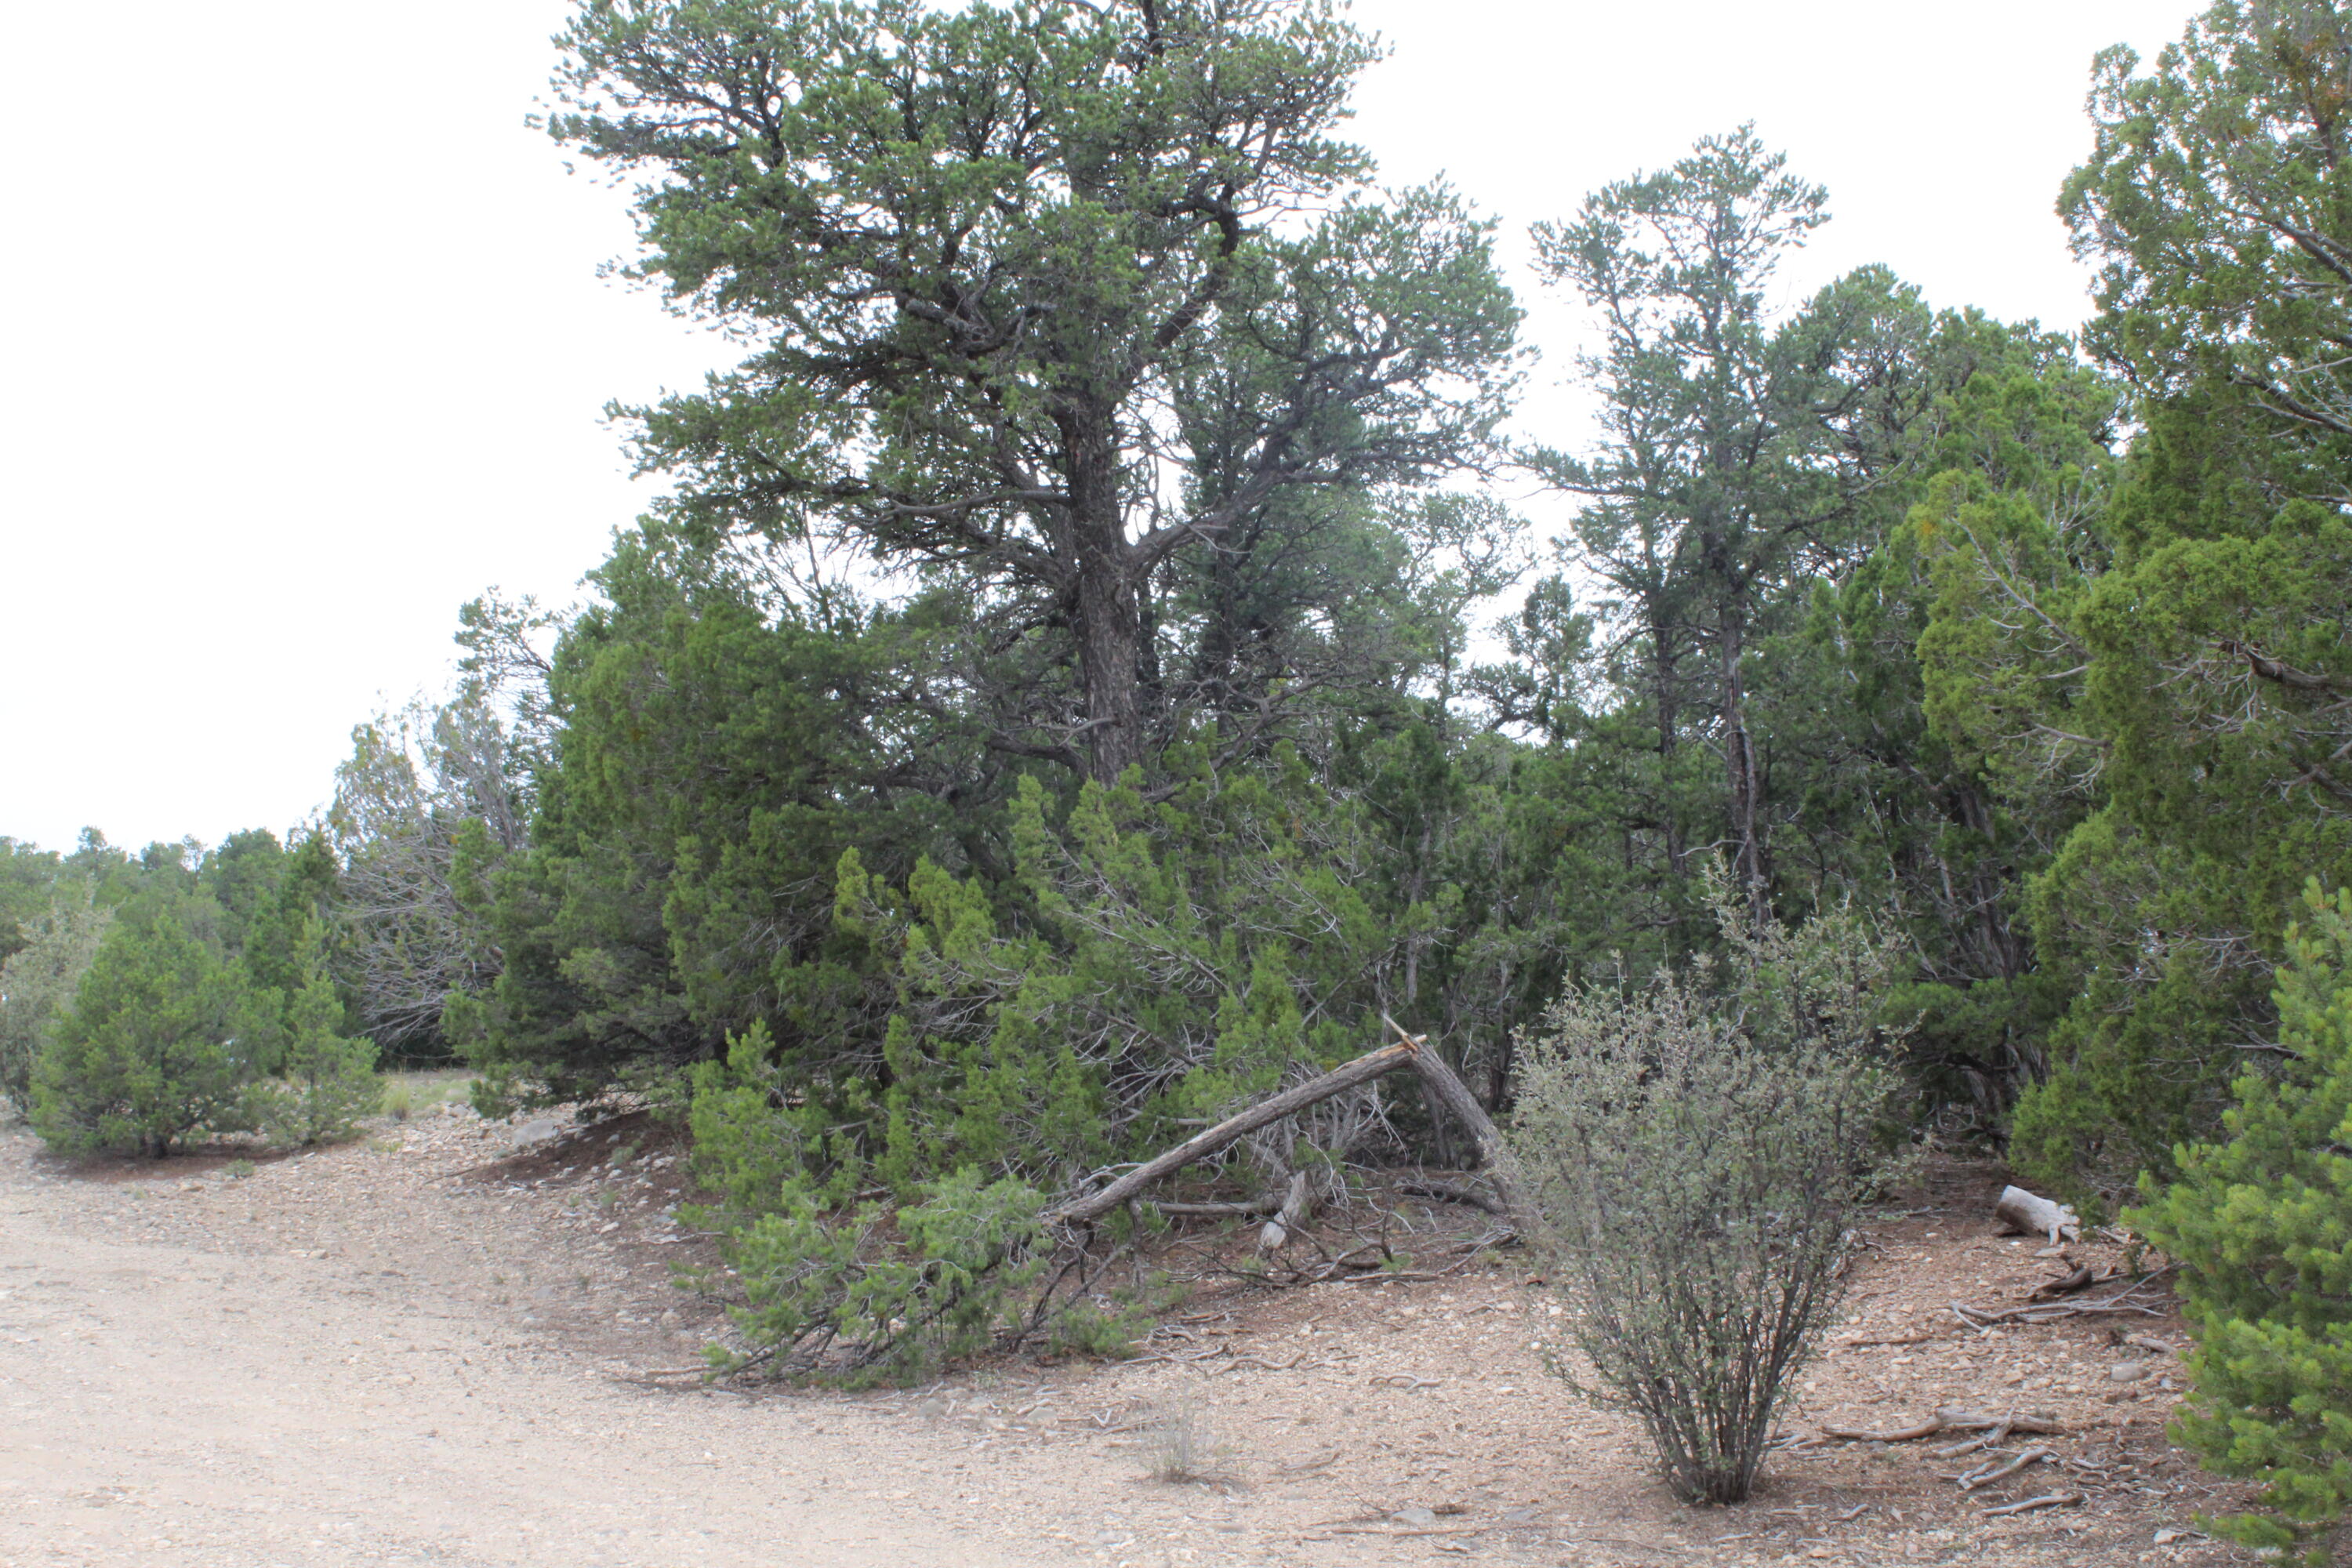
(1986, 1476)
(1201, 1145)
(2055, 1500)
(1455, 1095)
(1920, 1338)
(1264, 1202)
(1297, 1206)
(1451, 1192)
(2037, 1311)
(1926, 1428)
(1950, 1418)
(2081, 1279)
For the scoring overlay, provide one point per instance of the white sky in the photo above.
(305, 347)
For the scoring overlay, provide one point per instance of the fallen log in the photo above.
(1201, 1145)
(2031, 1213)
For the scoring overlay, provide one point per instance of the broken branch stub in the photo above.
(1447, 1088)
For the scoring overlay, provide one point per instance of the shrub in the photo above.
(1696, 1148)
(35, 984)
(881, 1293)
(2262, 1226)
(164, 1038)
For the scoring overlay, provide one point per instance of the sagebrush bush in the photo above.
(2262, 1227)
(1697, 1148)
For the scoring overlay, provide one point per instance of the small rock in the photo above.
(1414, 1516)
(531, 1134)
(2127, 1371)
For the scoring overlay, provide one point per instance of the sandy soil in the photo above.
(425, 1348)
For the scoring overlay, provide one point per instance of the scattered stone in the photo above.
(1414, 1516)
(537, 1130)
(2127, 1371)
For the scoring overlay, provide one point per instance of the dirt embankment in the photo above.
(415, 1349)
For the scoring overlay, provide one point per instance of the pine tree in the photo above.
(328, 1079)
(2262, 1226)
(164, 1038)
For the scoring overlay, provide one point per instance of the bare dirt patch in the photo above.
(425, 1346)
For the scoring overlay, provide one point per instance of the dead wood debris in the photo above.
(1950, 1418)
(2055, 1499)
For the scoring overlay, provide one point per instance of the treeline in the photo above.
(1065, 694)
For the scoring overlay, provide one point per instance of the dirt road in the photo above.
(171, 1403)
(418, 1349)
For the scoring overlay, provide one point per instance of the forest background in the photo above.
(1052, 702)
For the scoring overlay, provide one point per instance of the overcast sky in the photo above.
(305, 344)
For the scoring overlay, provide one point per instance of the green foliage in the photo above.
(29, 878)
(1698, 1147)
(876, 1292)
(38, 982)
(326, 1080)
(2176, 665)
(164, 1038)
(2260, 1225)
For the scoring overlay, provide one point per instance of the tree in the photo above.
(38, 982)
(327, 1080)
(1735, 449)
(164, 1036)
(430, 801)
(2258, 1223)
(28, 879)
(2201, 653)
(1047, 292)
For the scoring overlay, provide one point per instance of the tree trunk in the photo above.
(1748, 867)
(1107, 609)
(1109, 646)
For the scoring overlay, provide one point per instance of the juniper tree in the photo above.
(1044, 294)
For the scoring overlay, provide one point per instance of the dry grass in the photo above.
(412, 1094)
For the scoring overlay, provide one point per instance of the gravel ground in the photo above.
(429, 1347)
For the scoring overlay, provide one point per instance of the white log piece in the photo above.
(2036, 1215)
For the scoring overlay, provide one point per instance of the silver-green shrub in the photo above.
(1697, 1148)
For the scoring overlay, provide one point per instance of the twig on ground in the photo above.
(2055, 1500)
(1978, 1478)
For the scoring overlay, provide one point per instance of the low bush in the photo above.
(2262, 1227)
(1697, 1148)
